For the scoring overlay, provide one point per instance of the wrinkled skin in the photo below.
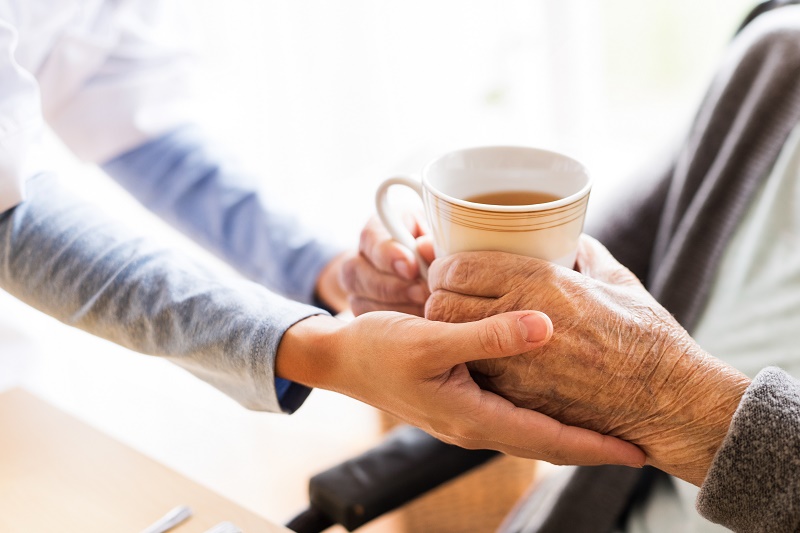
(384, 275)
(429, 385)
(618, 362)
(415, 369)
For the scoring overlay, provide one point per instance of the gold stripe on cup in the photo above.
(516, 229)
(509, 221)
(471, 211)
(501, 218)
(532, 212)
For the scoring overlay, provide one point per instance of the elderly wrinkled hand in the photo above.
(415, 369)
(618, 362)
(384, 276)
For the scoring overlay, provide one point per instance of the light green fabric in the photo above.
(751, 320)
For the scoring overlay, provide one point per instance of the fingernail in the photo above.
(416, 294)
(401, 267)
(635, 466)
(536, 327)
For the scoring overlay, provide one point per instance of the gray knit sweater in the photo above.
(671, 231)
(70, 260)
(754, 482)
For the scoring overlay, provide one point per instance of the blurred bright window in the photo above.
(326, 98)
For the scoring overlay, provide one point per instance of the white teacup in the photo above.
(547, 230)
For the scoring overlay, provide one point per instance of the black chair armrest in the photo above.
(406, 465)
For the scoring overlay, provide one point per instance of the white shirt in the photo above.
(105, 75)
(752, 317)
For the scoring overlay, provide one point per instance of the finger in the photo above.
(487, 274)
(415, 222)
(386, 254)
(594, 260)
(359, 306)
(446, 306)
(360, 278)
(501, 425)
(425, 248)
(498, 336)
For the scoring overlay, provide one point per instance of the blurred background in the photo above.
(324, 100)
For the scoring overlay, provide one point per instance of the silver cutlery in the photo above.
(224, 527)
(173, 518)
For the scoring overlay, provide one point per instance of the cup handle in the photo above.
(392, 221)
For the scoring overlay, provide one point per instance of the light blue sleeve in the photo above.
(70, 260)
(188, 181)
(191, 183)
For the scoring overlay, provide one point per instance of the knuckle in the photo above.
(445, 306)
(461, 434)
(623, 276)
(538, 270)
(457, 272)
(384, 252)
(557, 458)
(387, 292)
(471, 434)
(440, 307)
(495, 338)
(435, 273)
(366, 238)
(556, 451)
(349, 274)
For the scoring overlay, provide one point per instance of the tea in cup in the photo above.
(513, 199)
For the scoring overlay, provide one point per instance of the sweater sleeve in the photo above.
(65, 258)
(187, 180)
(754, 481)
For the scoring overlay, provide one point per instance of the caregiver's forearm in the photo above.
(190, 182)
(67, 259)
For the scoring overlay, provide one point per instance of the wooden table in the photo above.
(58, 474)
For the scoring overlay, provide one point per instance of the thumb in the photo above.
(497, 336)
(595, 261)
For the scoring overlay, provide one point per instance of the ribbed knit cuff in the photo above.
(754, 481)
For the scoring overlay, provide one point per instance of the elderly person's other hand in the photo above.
(384, 276)
(618, 362)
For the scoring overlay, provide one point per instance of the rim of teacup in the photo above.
(561, 202)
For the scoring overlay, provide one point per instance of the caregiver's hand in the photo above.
(618, 362)
(414, 368)
(384, 276)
